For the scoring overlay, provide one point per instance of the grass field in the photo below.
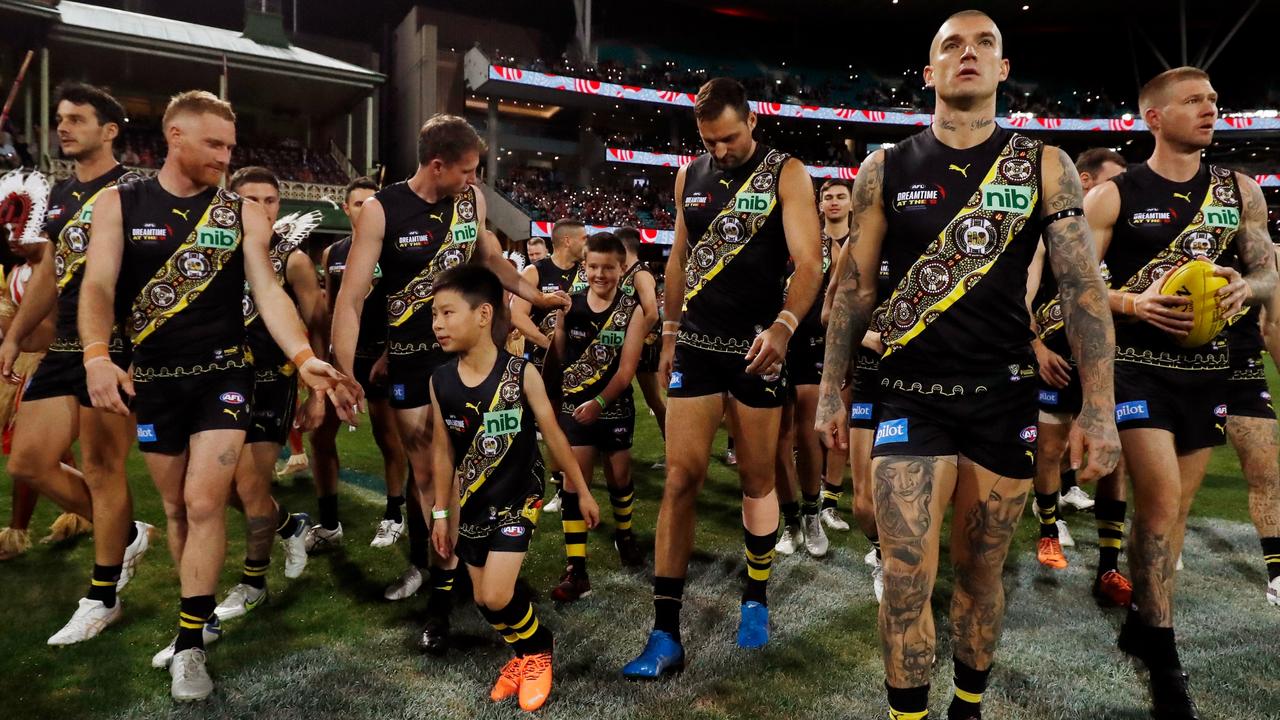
(328, 645)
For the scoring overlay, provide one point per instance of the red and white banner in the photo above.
(641, 157)
(649, 236)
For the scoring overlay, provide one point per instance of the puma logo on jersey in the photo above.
(235, 414)
(1184, 196)
(180, 213)
(772, 391)
(436, 217)
(724, 182)
(962, 170)
(77, 195)
(473, 406)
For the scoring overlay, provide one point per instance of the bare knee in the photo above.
(203, 509)
(496, 598)
(682, 486)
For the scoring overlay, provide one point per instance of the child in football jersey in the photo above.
(487, 408)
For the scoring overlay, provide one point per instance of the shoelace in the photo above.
(535, 665)
(513, 670)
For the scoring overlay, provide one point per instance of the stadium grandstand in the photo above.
(586, 113)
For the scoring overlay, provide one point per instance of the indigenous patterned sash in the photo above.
(73, 241)
(604, 348)
(579, 279)
(457, 248)
(1209, 233)
(499, 426)
(747, 211)
(966, 249)
(215, 240)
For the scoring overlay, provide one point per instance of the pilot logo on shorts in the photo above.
(1029, 434)
(892, 431)
(1135, 410)
(397, 392)
(1220, 411)
(146, 433)
(1048, 397)
(513, 531)
(860, 411)
(677, 381)
(232, 398)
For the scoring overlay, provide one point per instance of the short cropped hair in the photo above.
(360, 183)
(606, 242)
(253, 174)
(475, 283)
(198, 102)
(563, 227)
(630, 238)
(1153, 92)
(107, 108)
(717, 94)
(535, 241)
(1091, 160)
(447, 137)
(836, 182)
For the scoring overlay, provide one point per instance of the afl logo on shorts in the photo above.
(1220, 411)
(1029, 434)
(513, 531)
(232, 398)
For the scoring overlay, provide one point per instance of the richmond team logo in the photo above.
(976, 237)
(1198, 244)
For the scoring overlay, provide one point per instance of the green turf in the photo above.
(327, 645)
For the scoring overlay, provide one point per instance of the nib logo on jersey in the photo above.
(1152, 217)
(918, 197)
(414, 239)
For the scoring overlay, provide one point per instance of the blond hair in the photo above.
(198, 102)
(1153, 93)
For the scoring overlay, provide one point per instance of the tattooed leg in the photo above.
(987, 509)
(911, 494)
(206, 489)
(1152, 462)
(1191, 469)
(1254, 440)
(252, 485)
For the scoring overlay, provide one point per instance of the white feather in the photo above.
(36, 188)
(295, 227)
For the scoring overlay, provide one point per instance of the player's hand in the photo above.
(768, 350)
(378, 373)
(871, 341)
(1054, 369)
(587, 413)
(666, 360)
(552, 301)
(346, 394)
(1094, 434)
(105, 380)
(1163, 311)
(441, 538)
(590, 509)
(9, 352)
(832, 419)
(311, 414)
(1232, 297)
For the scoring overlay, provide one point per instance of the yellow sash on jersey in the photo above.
(213, 242)
(966, 249)
(487, 450)
(742, 217)
(73, 241)
(279, 254)
(605, 346)
(1209, 233)
(458, 246)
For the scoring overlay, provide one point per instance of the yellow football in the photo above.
(1196, 281)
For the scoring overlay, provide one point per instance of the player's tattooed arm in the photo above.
(854, 297)
(1086, 312)
(1253, 244)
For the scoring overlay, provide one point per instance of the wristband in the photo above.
(670, 325)
(669, 333)
(1131, 308)
(96, 351)
(600, 400)
(96, 358)
(789, 325)
(302, 357)
(439, 514)
(794, 321)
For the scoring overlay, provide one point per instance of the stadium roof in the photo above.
(122, 30)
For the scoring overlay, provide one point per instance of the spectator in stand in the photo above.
(129, 157)
(535, 249)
